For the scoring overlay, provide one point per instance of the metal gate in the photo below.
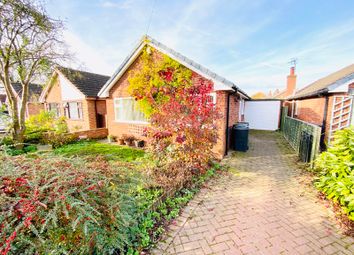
(305, 148)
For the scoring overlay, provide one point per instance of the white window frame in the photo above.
(297, 108)
(213, 95)
(117, 103)
(80, 112)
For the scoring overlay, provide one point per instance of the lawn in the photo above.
(93, 148)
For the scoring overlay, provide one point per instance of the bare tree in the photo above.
(30, 44)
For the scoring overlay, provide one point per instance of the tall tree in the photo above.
(30, 43)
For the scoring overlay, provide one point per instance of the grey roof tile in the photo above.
(88, 83)
(35, 90)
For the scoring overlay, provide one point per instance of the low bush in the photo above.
(57, 205)
(40, 125)
(12, 151)
(336, 167)
(57, 140)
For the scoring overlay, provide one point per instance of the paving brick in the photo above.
(264, 209)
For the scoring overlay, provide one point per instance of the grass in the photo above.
(93, 148)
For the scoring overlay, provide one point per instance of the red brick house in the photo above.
(34, 106)
(73, 94)
(124, 118)
(326, 102)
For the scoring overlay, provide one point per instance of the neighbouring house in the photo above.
(327, 102)
(34, 106)
(290, 86)
(34, 92)
(124, 118)
(73, 94)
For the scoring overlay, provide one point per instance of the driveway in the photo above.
(261, 206)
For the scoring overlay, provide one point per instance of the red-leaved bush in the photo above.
(54, 205)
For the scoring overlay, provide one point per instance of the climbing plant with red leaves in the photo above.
(181, 111)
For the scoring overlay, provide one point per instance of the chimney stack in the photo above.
(291, 82)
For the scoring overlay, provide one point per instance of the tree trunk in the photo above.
(18, 124)
(18, 135)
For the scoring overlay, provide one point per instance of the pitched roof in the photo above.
(280, 94)
(221, 82)
(34, 90)
(88, 83)
(322, 85)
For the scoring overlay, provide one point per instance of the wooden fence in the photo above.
(293, 130)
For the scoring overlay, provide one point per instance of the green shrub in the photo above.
(12, 151)
(57, 205)
(336, 166)
(37, 126)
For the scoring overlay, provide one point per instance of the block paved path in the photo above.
(259, 207)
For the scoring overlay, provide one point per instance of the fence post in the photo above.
(284, 113)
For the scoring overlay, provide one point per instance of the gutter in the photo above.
(318, 93)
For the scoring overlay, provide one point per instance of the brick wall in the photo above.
(221, 102)
(92, 133)
(311, 110)
(34, 108)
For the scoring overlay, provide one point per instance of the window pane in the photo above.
(54, 107)
(73, 111)
(126, 109)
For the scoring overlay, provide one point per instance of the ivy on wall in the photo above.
(157, 77)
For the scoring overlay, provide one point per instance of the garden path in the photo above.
(263, 205)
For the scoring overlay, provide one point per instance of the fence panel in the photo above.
(293, 129)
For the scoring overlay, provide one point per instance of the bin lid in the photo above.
(241, 126)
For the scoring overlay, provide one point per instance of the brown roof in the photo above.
(322, 84)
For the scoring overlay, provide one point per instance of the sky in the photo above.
(249, 42)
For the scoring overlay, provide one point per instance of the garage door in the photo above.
(263, 114)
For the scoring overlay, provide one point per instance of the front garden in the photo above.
(89, 197)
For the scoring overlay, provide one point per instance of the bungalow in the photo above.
(327, 102)
(73, 94)
(124, 118)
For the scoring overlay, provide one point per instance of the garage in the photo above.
(263, 114)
